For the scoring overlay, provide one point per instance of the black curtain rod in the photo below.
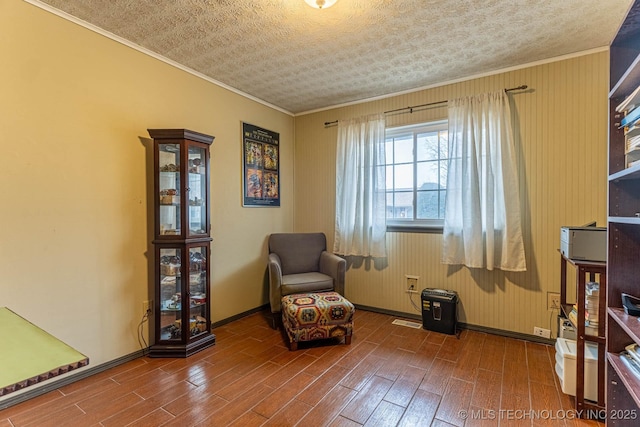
(410, 109)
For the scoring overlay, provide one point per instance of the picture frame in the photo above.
(261, 167)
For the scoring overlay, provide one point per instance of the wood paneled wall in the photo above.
(561, 148)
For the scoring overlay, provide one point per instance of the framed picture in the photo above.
(261, 166)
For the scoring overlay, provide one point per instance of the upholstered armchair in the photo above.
(299, 263)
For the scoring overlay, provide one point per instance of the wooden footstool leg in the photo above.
(347, 340)
(293, 346)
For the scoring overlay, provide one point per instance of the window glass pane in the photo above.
(444, 144)
(443, 195)
(427, 205)
(428, 146)
(403, 149)
(444, 165)
(388, 151)
(427, 176)
(381, 177)
(389, 177)
(403, 177)
(403, 205)
(416, 173)
(390, 205)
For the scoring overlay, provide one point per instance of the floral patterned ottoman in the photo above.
(315, 316)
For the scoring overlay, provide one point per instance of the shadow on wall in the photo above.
(358, 262)
(487, 280)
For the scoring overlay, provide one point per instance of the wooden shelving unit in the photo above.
(595, 272)
(623, 257)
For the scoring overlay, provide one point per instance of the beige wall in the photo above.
(561, 149)
(74, 217)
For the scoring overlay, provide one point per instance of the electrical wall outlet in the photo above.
(412, 283)
(553, 301)
(541, 332)
(147, 307)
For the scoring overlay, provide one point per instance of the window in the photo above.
(416, 174)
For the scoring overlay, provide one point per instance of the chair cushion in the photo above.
(305, 282)
(298, 252)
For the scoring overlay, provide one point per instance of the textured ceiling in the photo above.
(301, 59)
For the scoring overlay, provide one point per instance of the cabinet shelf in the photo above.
(179, 309)
(628, 81)
(632, 172)
(633, 220)
(630, 381)
(629, 324)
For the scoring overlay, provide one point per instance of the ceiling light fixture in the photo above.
(320, 4)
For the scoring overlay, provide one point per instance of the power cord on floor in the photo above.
(145, 318)
(551, 321)
(413, 303)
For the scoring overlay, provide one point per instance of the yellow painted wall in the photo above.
(561, 148)
(75, 219)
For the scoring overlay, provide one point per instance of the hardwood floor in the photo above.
(390, 375)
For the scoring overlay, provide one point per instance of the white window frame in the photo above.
(413, 224)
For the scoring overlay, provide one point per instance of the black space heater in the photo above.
(439, 310)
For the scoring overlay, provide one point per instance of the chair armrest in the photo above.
(334, 266)
(275, 281)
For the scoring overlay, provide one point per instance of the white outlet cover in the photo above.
(541, 332)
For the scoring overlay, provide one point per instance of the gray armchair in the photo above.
(298, 263)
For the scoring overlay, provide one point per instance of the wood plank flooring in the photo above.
(390, 375)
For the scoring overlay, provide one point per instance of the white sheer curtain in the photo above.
(360, 187)
(482, 227)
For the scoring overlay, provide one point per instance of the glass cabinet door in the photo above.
(197, 188)
(170, 294)
(198, 276)
(169, 186)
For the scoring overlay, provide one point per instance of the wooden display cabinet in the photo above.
(182, 243)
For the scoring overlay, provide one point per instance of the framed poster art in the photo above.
(261, 166)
